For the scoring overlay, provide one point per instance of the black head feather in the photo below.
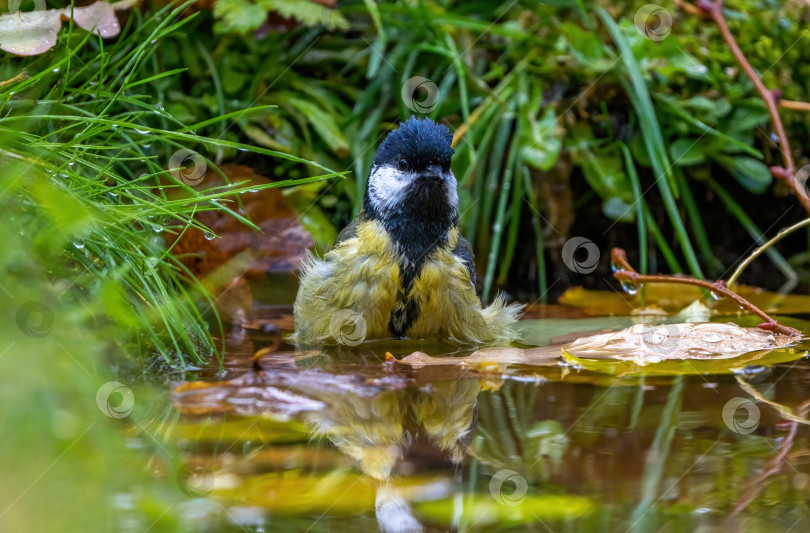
(416, 144)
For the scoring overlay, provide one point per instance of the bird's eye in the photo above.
(403, 164)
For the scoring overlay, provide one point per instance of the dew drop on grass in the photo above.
(209, 235)
(78, 245)
(714, 295)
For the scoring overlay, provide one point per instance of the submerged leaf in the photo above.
(643, 344)
(505, 510)
(485, 358)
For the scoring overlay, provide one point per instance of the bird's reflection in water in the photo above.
(394, 430)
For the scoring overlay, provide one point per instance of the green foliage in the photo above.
(245, 16)
(94, 198)
(534, 85)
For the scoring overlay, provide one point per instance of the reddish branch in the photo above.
(714, 11)
(625, 272)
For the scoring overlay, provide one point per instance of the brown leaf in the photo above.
(282, 392)
(279, 247)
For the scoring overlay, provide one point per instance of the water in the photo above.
(350, 440)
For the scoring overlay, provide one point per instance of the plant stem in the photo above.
(787, 173)
(625, 272)
(756, 253)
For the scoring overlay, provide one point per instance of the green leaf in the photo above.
(307, 12)
(751, 174)
(685, 152)
(323, 123)
(238, 16)
(541, 142)
(586, 47)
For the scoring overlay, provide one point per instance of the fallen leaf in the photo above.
(693, 348)
(98, 18)
(34, 32)
(484, 360)
(279, 392)
(279, 247)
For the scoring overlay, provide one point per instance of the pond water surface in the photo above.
(355, 440)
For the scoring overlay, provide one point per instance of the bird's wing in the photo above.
(464, 251)
(350, 231)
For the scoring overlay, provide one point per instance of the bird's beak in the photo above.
(432, 173)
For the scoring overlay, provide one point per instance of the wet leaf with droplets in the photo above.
(34, 32)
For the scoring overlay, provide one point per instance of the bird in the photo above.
(401, 268)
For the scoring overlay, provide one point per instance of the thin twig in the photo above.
(18, 77)
(759, 251)
(714, 11)
(625, 272)
(794, 105)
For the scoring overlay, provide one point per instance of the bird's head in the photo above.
(411, 173)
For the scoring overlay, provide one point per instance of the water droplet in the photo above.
(209, 235)
(714, 295)
(56, 70)
(157, 228)
(79, 245)
(629, 287)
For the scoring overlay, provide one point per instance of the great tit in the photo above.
(401, 269)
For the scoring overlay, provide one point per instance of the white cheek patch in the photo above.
(452, 193)
(386, 186)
